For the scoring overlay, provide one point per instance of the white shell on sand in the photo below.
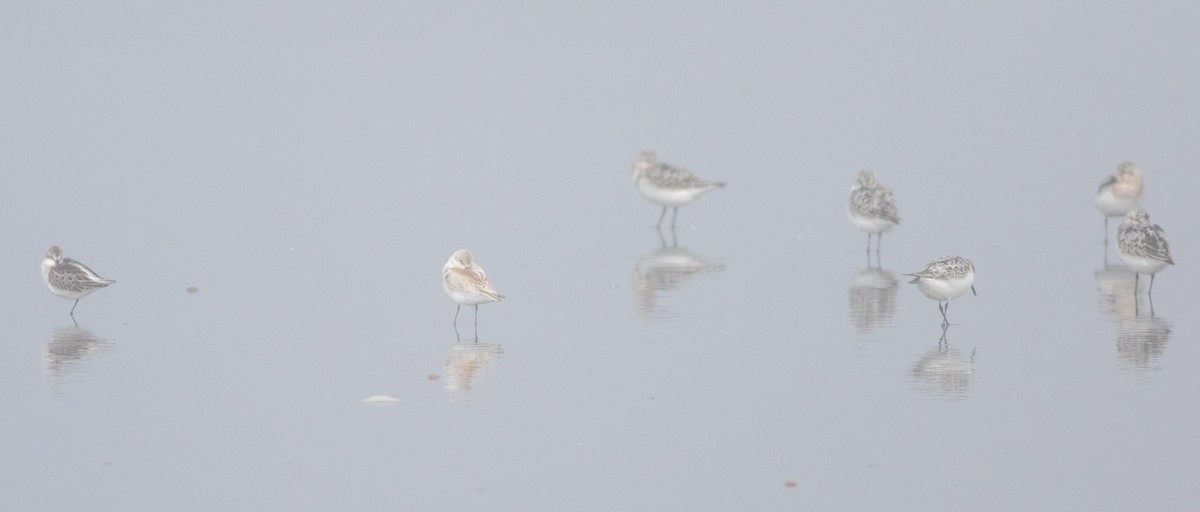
(380, 399)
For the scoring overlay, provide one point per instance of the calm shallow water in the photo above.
(309, 172)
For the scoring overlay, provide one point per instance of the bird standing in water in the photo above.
(68, 278)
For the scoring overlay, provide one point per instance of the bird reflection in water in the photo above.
(67, 348)
(665, 269)
(945, 371)
(872, 297)
(467, 361)
(1141, 335)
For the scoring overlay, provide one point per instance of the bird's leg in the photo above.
(477, 315)
(1151, 286)
(868, 243)
(456, 310)
(674, 215)
(661, 216)
(1135, 282)
(1106, 240)
(878, 242)
(72, 313)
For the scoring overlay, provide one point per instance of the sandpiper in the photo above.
(68, 278)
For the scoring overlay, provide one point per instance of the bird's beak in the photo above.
(973, 291)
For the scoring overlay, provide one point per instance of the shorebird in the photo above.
(1121, 192)
(668, 185)
(872, 207)
(68, 278)
(467, 283)
(945, 278)
(1143, 246)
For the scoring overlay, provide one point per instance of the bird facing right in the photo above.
(466, 283)
(668, 185)
(1143, 246)
(68, 278)
(872, 207)
(945, 278)
(1121, 192)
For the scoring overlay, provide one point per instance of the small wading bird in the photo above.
(68, 278)
(1120, 193)
(466, 283)
(872, 207)
(1143, 246)
(945, 278)
(668, 185)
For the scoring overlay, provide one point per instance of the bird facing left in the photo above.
(466, 283)
(68, 278)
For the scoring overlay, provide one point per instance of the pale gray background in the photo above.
(310, 167)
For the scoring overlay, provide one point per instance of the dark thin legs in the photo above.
(459, 309)
(944, 310)
(663, 240)
(1149, 295)
(1136, 277)
(878, 242)
(72, 313)
(663, 215)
